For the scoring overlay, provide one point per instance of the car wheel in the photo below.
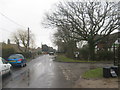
(22, 65)
(10, 72)
(25, 64)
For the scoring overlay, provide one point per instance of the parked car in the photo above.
(5, 67)
(17, 60)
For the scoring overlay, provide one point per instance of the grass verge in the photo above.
(62, 58)
(95, 73)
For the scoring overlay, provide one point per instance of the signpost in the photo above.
(76, 55)
(119, 45)
(119, 33)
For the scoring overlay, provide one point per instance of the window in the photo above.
(4, 61)
(16, 56)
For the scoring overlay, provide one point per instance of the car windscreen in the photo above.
(15, 57)
(4, 61)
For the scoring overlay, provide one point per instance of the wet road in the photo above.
(42, 72)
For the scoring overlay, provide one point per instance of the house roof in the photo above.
(109, 40)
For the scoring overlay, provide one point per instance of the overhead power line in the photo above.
(3, 29)
(12, 20)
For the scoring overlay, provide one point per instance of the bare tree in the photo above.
(65, 43)
(21, 39)
(88, 21)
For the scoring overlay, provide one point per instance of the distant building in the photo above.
(45, 48)
(39, 50)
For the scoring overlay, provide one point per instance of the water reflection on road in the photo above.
(43, 72)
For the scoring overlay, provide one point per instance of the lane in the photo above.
(42, 72)
(47, 74)
(17, 74)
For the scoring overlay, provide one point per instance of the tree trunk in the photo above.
(19, 47)
(71, 48)
(91, 50)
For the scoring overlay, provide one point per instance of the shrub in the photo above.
(105, 55)
(27, 54)
(6, 52)
(39, 52)
(84, 53)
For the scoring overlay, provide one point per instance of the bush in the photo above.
(27, 54)
(39, 52)
(84, 53)
(6, 52)
(105, 55)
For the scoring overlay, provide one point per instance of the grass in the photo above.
(95, 73)
(62, 58)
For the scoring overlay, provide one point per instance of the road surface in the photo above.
(43, 72)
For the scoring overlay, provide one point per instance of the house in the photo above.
(14, 46)
(39, 49)
(108, 42)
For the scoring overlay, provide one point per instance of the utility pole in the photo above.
(28, 38)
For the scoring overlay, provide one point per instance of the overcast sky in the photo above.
(28, 13)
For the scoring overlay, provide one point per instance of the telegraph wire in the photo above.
(3, 29)
(12, 20)
(14, 23)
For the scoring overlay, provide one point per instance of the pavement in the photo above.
(43, 72)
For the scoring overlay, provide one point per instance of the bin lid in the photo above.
(107, 67)
(114, 67)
